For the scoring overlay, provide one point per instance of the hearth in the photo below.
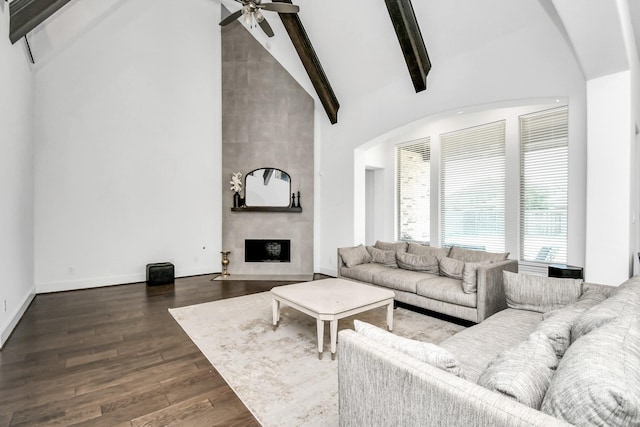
(267, 250)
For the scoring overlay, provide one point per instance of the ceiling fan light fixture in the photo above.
(258, 16)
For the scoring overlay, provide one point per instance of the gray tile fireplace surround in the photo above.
(267, 121)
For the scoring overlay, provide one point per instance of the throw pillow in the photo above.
(354, 256)
(524, 372)
(472, 255)
(623, 301)
(391, 246)
(415, 262)
(415, 248)
(470, 276)
(450, 267)
(429, 353)
(538, 293)
(598, 379)
(381, 256)
(557, 324)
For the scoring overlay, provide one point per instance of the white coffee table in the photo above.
(331, 299)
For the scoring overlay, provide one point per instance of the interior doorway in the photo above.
(374, 192)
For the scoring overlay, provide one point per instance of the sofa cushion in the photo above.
(397, 278)
(538, 293)
(417, 249)
(445, 289)
(450, 267)
(415, 262)
(557, 324)
(391, 246)
(354, 256)
(382, 256)
(362, 272)
(423, 351)
(470, 276)
(477, 346)
(472, 255)
(598, 379)
(625, 300)
(523, 372)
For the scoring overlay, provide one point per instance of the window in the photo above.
(413, 190)
(544, 160)
(472, 189)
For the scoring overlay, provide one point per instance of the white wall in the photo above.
(533, 62)
(16, 180)
(128, 141)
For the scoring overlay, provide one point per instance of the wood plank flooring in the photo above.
(114, 356)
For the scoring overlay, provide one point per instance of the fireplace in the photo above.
(267, 250)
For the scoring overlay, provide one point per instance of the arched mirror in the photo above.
(267, 187)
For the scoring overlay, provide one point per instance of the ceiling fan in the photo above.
(251, 11)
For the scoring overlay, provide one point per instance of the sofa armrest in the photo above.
(491, 298)
(379, 386)
(340, 262)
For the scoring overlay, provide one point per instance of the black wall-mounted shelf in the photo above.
(266, 209)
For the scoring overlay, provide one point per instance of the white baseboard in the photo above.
(329, 271)
(14, 318)
(96, 282)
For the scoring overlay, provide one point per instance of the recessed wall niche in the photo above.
(267, 122)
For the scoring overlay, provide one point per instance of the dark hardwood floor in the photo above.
(114, 356)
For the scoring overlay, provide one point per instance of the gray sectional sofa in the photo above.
(563, 353)
(458, 282)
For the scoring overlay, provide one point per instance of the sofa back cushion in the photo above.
(354, 256)
(598, 379)
(428, 263)
(391, 246)
(524, 372)
(625, 300)
(417, 249)
(472, 255)
(538, 293)
(429, 353)
(381, 256)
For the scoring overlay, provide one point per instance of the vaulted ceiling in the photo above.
(357, 45)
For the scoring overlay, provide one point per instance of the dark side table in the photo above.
(565, 271)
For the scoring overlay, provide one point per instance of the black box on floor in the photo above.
(565, 271)
(160, 273)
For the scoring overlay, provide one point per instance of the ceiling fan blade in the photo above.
(229, 19)
(266, 27)
(280, 7)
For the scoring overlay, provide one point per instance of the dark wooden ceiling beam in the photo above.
(28, 14)
(312, 65)
(412, 44)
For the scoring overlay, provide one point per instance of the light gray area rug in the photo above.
(277, 374)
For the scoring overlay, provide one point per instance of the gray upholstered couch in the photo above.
(458, 282)
(580, 360)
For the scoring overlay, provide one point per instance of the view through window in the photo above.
(413, 191)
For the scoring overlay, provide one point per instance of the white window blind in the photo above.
(413, 183)
(472, 187)
(544, 158)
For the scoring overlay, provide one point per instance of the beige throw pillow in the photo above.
(470, 276)
(450, 267)
(381, 256)
(354, 256)
(415, 262)
(524, 372)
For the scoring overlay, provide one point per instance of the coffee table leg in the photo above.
(390, 316)
(334, 337)
(320, 326)
(275, 308)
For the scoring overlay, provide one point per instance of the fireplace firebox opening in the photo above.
(267, 250)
